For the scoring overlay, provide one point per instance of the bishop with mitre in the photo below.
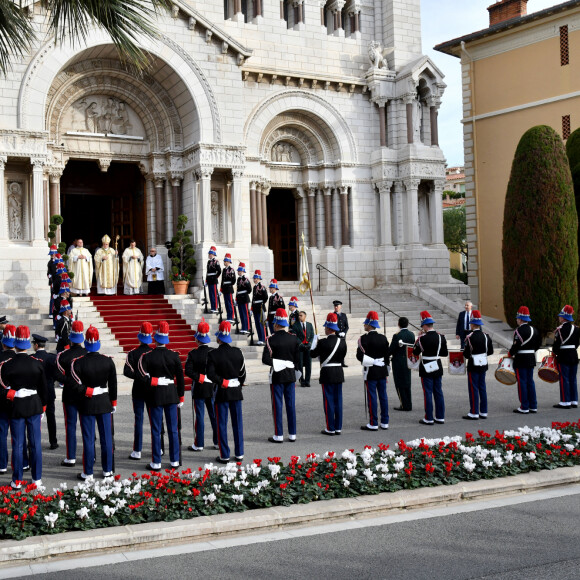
(106, 267)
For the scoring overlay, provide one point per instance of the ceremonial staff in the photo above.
(305, 283)
(117, 261)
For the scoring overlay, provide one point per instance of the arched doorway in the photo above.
(282, 233)
(95, 203)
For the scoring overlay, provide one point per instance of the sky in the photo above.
(443, 20)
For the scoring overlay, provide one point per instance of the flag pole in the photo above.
(306, 281)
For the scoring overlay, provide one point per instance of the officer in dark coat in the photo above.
(293, 313)
(23, 389)
(95, 380)
(64, 361)
(138, 392)
(282, 354)
(165, 394)
(49, 361)
(373, 353)
(212, 278)
(63, 294)
(259, 300)
(566, 341)
(331, 351)
(527, 341)
(342, 322)
(228, 286)
(431, 345)
(478, 346)
(202, 392)
(50, 272)
(244, 290)
(8, 337)
(227, 370)
(274, 302)
(63, 326)
(304, 332)
(401, 372)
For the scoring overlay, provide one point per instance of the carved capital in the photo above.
(176, 179)
(3, 160)
(37, 164)
(104, 164)
(411, 184)
(312, 191)
(54, 174)
(384, 186)
(158, 181)
(343, 189)
(192, 23)
(439, 184)
(237, 173)
(204, 172)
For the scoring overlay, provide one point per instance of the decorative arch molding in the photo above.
(308, 105)
(51, 59)
(311, 149)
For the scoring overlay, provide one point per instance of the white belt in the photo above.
(279, 364)
(242, 291)
(226, 283)
(373, 362)
(258, 301)
(526, 352)
(100, 391)
(211, 274)
(332, 365)
(567, 346)
(430, 358)
(21, 393)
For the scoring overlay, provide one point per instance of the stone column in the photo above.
(344, 219)
(412, 187)
(300, 7)
(258, 7)
(312, 217)
(382, 105)
(260, 218)
(433, 117)
(237, 205)
(357, 21)
(328, 216)
(265, 192)
(54, 191)
(159, 210)
(436, 209)
(253, 212)
(37, 232)
(204, 175)
(397, 213)
(384, 188)
(176, 180)
(320, 229)
(281, 9)
(237, 7)
(409, 109)
(3, 212)
(150, 210)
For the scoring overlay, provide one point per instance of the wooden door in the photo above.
(282, 233)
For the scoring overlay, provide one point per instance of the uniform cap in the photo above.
(9, 335)
(92, 342)
(22, 338)
(64, 287)
(476, 318)
(202, 334)
(53, 250)
(332, 322)
(524, 314)
(76, 333)
(281, 317)
(242, 267)
(224, 333)
(426, 318)
(64, 306)
(258, 274)
(337, 303)
(58, 257)
(145, 333)
(567, 313)
(39, 339)
(162, 334)
(213, 251)
(293, 302)
(274, 283)
(228, 258)
(372, 319)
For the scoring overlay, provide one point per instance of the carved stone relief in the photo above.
(216, 217)
(15, 205)
(283, 152)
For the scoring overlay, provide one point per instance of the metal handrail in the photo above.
(349, 287)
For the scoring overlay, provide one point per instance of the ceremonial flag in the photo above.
(305, 282)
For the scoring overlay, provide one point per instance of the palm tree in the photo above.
(124, 20)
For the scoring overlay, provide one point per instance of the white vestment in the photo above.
(107, 270)
(82, 270)
(132, 270)
(154, 262)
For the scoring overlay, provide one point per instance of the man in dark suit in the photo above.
(304, 331)
(342, 322)
(282, 354)
(401, 372)
(462, 328)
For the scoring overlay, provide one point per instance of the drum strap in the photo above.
(567, 339)
(433, 357)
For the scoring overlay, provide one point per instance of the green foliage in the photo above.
(573, 153)
(454, 230)
(452, 194)
(540, 246)
(182, 252)
(55, 222)
(461, 276)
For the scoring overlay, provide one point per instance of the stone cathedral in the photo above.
(262, 121)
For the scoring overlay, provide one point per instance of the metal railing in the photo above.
(350, 287)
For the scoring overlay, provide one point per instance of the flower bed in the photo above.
(172, 494)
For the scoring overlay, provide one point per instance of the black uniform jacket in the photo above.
(375, 346)
(64, 360)
(475, 343)
(63, 328)
(427, 345)
(196, 369)
(401, 351)
(55, 286)
(90, 371)
(274, 302)
(244, 290)
(228, 280)
(130, 370)
(333, 374)
(50, 270)
(23, 372)
(566, 335)
(259, 297)
(213, 272)
(293, 317)
(225, 363)
(57, 302)
(5, 355)
(162, 362)
(282, 346)
(342, 322)
(529, 335)
(49, 361)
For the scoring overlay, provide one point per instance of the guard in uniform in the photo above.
(138, 392)
(202, 392)
(342, 322)
(293, 314)
(566, 341)
(24, 391)
(227, 370)
(63, 326)
(259, 299)
(331, 351)
(64, 361)
(373, 353)
(162, 370)
(274, 302)
(49, 361)
(63, 294)
(8, 337)
(95, 380)
(431, 346)
(401, 372)
(50, 272)
(527, 341)
(477, 347)
(282, 354)
(228, 286)
(212, 276)
(244, 289)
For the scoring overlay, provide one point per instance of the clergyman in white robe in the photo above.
(132, 269)
(154, 270)
(81, 265)
(106, 268)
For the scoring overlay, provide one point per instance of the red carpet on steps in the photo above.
(124, 315)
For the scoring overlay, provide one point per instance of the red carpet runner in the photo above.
(124, 315)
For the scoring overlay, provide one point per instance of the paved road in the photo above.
(503, 540)
(310, 418)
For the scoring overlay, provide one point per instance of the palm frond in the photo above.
(16, 34)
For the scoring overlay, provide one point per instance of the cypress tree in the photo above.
(540, 246)
(573, 153)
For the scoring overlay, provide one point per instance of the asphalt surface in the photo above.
(258, 426)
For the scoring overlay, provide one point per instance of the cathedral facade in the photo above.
(264, 122)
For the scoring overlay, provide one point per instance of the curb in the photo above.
(156, 534)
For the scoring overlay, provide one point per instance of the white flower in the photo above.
(217, 488)
(209, 498)
(531, 456)
(51, 519)
(345, 482)
(83, 513)
(351, 472)
(62, 506)
(274, 470)
(369, 475)
(238, 498)
(109, 511)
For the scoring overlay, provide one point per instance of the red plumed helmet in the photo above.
(225, 327)
(476, 314)
(524, 310)
(281, 313)
(23, 333)
(92, 334)
(78, 326)
(146, 328)
(568, 309)
(294, 299)
(425, 314)
(9, 331)
(203, 327)
(58, 257)
(332, 317)
(163, 328)
(372, 315)
(258, 273)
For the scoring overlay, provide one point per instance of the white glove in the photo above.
(179, 405)
(114, 410)
(41, 416)
(163, 381)
(341, 334)
(314, 342)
